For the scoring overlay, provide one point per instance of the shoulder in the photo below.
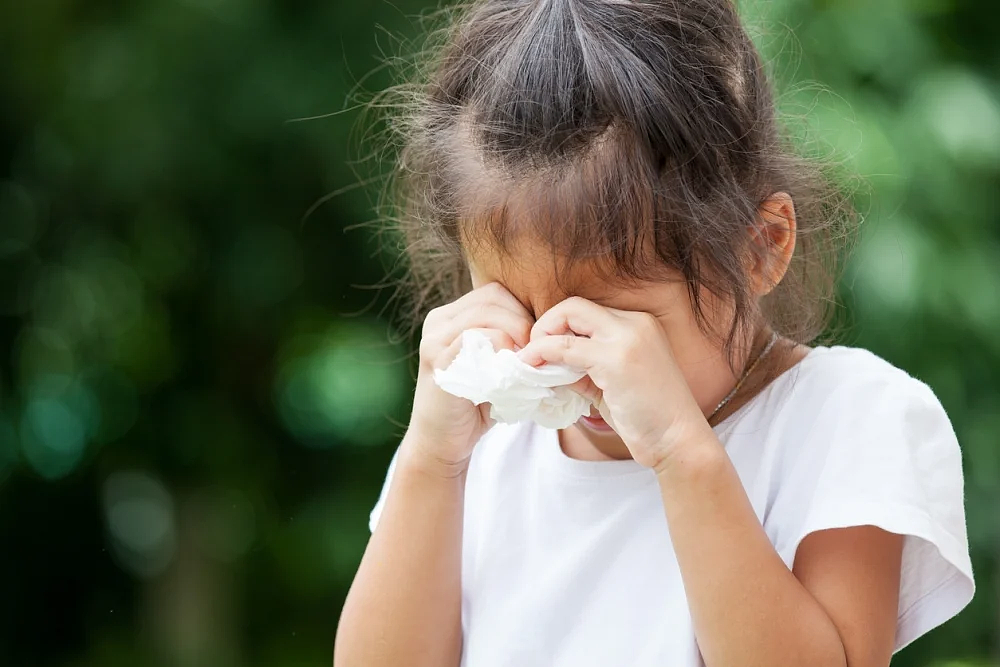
(853, 440)
(848, 407)
(849, 388)
(842, 428)
(853, 374)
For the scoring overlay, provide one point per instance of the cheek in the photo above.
(699, 360)
(687, 343)
(694, 351)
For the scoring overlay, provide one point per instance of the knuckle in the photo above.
(645, 327)
(647, 321)
(432, 319)
(427, 351)
(502, 340)
(475, 308)
(439, 359)
(494, 288)
(431, 343)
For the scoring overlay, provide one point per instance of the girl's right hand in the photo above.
(444, 428)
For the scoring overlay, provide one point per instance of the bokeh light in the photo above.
(8, 447)
(199, 397)
(341, 386)
(963, 112)
(139, 515)
(59, 418)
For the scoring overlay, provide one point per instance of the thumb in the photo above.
(586, 388)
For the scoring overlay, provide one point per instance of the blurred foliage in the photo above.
(198, 400)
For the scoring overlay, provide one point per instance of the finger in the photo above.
(492, 293)
(495, 292)
(440, 333)
(586, 388)
(573, 351)
(490, 316)
(574, 315)
(470, 310)
(499, 339)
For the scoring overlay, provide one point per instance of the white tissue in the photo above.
(515, 390)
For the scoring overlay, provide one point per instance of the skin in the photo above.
(642, 350)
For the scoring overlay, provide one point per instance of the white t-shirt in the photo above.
(568, 563)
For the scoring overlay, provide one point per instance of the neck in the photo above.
(579, 442)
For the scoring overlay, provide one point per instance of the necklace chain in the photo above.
(746, 374)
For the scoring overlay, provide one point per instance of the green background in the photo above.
(201, 384)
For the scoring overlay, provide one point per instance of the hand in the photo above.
(632, 377)
(444, 428)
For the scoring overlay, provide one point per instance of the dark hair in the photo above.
(640, 133)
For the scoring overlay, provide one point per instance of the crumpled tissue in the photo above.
(515, 390)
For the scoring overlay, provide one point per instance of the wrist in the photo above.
(417, 453)
(697, 448)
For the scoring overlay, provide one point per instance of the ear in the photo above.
(774, 236)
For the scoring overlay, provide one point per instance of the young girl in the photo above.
(603, 184)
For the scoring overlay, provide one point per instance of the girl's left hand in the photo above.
(632, 377)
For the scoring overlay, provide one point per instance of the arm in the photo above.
(838, 607)
(404, 605)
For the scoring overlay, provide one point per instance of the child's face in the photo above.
(530, 277)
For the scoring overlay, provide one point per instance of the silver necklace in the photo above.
(746, 374)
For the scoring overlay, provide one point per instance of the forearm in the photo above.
(404, 606)
(748, 608)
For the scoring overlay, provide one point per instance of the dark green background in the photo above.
(198, 392)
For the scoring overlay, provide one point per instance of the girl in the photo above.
(605, 185)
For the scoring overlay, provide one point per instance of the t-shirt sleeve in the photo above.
(883, 453)
(377, 509)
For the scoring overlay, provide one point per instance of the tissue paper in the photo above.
(515, 390)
